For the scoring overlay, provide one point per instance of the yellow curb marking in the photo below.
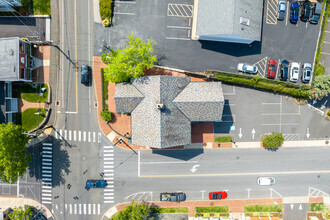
(271, 12)
(262, 65)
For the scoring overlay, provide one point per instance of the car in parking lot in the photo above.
(246, 68)
(217, 195)
(266, 181)
(306, 11)
(294, 72)
(307, 72)
(85, 74)
(96, 184)
(281, 10)
(316, 12)
(294, 12)
(284, 71)
(271, 69)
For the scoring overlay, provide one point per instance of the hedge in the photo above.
(105, 8)
(263, 208)
(276, 86)
(273, 140)
(223, 139)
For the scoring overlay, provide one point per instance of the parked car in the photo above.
(281, 10)
(306, 11)
(294, 12)
(307, 72)
(294, 72)
(217, 195)
(246, 68)
(316, 12)
(96, 184)
(284, 71)
(266, 181)
(85, 74)
(271, 69)
(172, 197)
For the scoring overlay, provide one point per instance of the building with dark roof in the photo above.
(235, 21)
(163, 107)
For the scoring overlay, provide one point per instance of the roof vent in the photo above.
(11, 52)
(160, 106)
(244, 21)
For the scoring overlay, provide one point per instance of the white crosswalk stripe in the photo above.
(69, 135)
(72, 135)
(108, 174)
(89, 137)
(61, 135)
(79, 136)
(99, 137)
(78, 209)
(84, 136)
(46, 173)
(94, 137)
(65, 134)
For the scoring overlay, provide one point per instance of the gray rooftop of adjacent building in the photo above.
(233, 21)
(9, 59)
(2, 103)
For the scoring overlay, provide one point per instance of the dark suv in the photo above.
(284, 70)
(306, 11)
(294, 12)
(85, 74)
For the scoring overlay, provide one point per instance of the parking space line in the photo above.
(287, 15)
(287, 124)
(127, 2)
(325, 53)
(270, 103)
(177, 38)
(123, 13)
(179, 10)
(326, 42)
(278, 66)
(178, 27)
(327, 31)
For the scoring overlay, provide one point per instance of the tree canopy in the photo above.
(320, 87)
(133, 212)
(13, 153)
(130, 61)
(20, 214)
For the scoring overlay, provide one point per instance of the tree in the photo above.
(22, 214)
(13, 154)
(106, 115)
(130, 61)
(273, 140)
(320, 87)
(133, 212)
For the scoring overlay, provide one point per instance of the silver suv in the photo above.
(281, 10)
(307, 72)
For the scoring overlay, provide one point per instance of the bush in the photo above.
(273, 140)
(212, 209)
(317, 207)
(263, 208)
(106, 22)
(328, 113)
(106, 115)
(105, 8)
(319, 70)
(223, 139)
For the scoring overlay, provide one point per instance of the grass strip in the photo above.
(212, 209)
(105, 92)
(223, 139)
(169, 210)
(263, 208)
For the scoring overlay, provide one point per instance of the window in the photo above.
(21, 47)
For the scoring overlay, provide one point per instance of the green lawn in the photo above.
(263, 208)
(31, 94)
(37, 7)
(30, 120)
(212, 209)
(317, 207)
(169, 210)
(223, 139)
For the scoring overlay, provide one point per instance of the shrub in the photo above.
(319, 70)
(273, 140)
(106, 22)
(317, 207)
(106, 115)
(105, 9)
(223, 139)
(328, 113)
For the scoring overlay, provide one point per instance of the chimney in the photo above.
(160, 106)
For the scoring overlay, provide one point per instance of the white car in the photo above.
(294, 72)
(266, 181)
(246, 68)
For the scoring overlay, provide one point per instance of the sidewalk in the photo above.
(13, 202)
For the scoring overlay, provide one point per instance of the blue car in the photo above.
(96, 184)
(294, 12)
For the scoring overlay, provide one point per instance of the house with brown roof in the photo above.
(163, 107)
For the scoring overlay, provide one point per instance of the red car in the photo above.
(271, 69)
(217, 195)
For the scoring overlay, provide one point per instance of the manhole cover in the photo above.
(57, 103)
(95, 104)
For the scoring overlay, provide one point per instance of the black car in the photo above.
(316, 12)
(284, 70)
(306, 11)
(85, 74)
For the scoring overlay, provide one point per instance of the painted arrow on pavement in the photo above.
(194, 168)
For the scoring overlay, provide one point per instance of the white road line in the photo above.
(108, 190)
(108, 178)
(108, 201)
(79, 136)
(79, 209)
(128, 2)
(85, 209)
(106, 147)
(75, 208)
(139, 163)
(84, 139)
(108, 158)
(47, 144)
(71, 112)
(326, 42)
(45, 190)
(108, 155)
(99, 137)
(46, 202)
(108, 174)
(94, 209)
(89, 137)
(280, 124)
(94, 137)
(46, 198)
(110, 197)
(108, 171)
(56, 134)
(166, 162)
(287, 17)
(108, 194)
(89, 209)
(108, 162)
(65, 134)
(180, 27)
(98, 209)
(46, 194)
(176, 38)
(47, 187)
(107, 151)
(61, 134)
(327, 31)
(74, 135)
(123, 13)
(69, 135)
(47, 148)
(70, 209)
(325, 53)
(270, 103)
(280, 114)
(278, 66)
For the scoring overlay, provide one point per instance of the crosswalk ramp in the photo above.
(77, 209)
(108, 173)
(72, 135)
(46, 173)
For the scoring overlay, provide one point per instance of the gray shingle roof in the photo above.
(169, 125)
(127, 97)
(220, 20)
(201, 101)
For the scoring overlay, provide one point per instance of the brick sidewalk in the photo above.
(23, 105)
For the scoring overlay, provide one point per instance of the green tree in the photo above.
(106, 115)
(320, 87)
(13, 154)
(133, 212)
(130, 61)
(20, 214)
(273, 140)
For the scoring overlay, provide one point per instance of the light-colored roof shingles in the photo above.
(127, 97)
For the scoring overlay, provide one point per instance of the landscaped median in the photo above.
(212, 211)
(270, 85)
(267, 210)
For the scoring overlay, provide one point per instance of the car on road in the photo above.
(271, 69)
(306, 11)
(246, 68)
(85, 74)
(217, 195)
(96, 184)
(294, 12)
(294, 72)
(172, 197)
(307, 72)
(281, 10)
(284, 70)
(316, 12)
(266, 181)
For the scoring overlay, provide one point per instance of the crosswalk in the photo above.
(108, 174)
(85, 136)
(78, 209)
(46, 173)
